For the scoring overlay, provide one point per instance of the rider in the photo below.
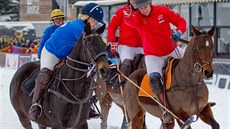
(57, 17)
(58, 47)
(153, 24)
(129, 41)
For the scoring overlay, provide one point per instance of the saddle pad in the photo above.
(29, 83)
(145, 81)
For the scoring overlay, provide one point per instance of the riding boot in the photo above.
(41, 82)
(157, 88)
(126, 68)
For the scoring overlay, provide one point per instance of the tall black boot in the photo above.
(41, 82)
(126, 69)
(157, 88)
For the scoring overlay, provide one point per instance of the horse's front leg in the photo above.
(105, 106)
(206, 115)
(41, 127)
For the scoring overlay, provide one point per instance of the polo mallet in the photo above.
(185, 125)
(119, 80)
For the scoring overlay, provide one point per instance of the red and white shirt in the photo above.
(155, 29)
(128, 35)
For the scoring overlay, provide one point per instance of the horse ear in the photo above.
(195, 31)
(101, 29)
(212, 31)
(87, 29)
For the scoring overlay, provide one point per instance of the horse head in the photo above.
(92, 50)
(202, 51)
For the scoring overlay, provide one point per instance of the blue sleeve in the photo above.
(46, 35)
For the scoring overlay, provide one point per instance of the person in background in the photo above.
(58, 47)
(153, 24)
(57, 17)
(129, 42)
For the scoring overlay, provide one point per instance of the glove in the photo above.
(127, 11)
(113, 46)
(176, 35)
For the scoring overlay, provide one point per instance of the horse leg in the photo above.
(206, 115)
(125, 122)
(41, 127)
(25, 121)
(138, 120)
(168, 125)
(144, 126)
(183, 116)
(82, 126)
(105, 106)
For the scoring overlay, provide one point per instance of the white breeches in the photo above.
(48, 59)
(155, 63)
(127, 52)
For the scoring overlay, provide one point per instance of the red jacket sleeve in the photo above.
(114, 24)
(175, 19)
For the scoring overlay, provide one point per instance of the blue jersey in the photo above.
(64, 38)
(46, 35)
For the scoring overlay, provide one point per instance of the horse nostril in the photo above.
(208, 74)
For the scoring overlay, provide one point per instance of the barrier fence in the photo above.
(221, 77)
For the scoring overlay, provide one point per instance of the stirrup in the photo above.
(36, 105)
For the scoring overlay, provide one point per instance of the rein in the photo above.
(87, 72)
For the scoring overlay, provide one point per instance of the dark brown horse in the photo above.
(66, 103)
(106, 94)
(188, 94)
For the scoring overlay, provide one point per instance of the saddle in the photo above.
(29, 83)
(167, 74)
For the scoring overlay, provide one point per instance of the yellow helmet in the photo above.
(57, 13)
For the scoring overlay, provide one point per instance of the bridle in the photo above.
(199, 64)
(87, 53)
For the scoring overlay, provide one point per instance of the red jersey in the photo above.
(155, 29)
(128, 35)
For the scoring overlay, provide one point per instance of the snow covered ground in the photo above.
(9, 119)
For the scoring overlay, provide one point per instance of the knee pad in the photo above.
(155, 83)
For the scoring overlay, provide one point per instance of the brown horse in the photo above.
(66, 103)
(106, 94)
(188, 94)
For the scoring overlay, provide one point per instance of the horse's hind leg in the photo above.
(138, 120)
(168, 125)
(105, 106)
(206, 115)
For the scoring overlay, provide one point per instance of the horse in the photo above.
(106, 93)
(188, 94)
(66, 102)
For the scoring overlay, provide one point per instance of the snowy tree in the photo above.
(9, 10)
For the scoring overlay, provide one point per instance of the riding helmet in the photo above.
(141, 3)
(56, 13)
(94, 10)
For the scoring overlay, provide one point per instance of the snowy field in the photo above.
(9, 119)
